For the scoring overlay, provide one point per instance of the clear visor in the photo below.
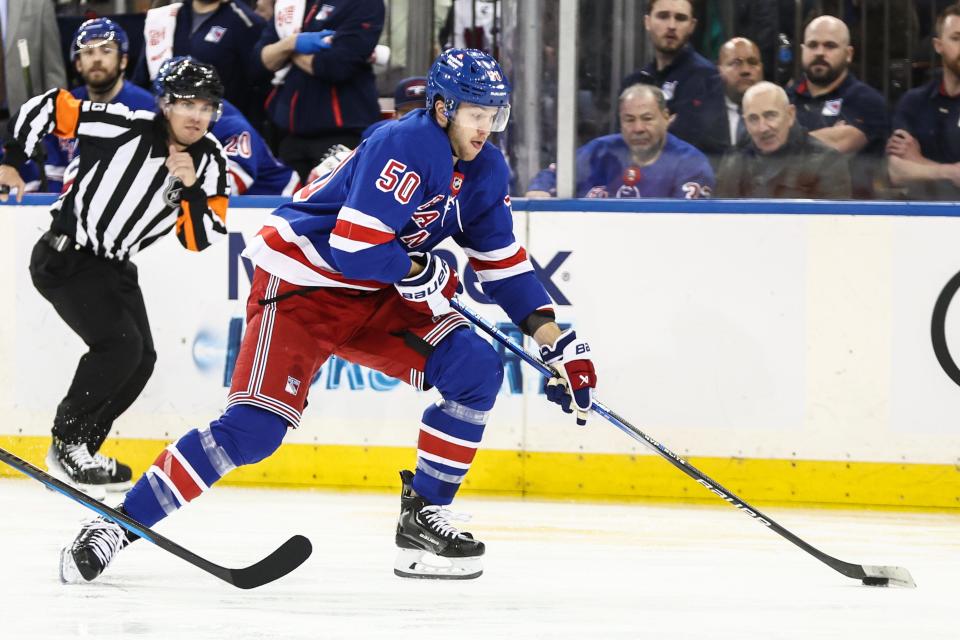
(475, 116)
(195, 108)
(106, 45)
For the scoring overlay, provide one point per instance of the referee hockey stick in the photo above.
(290, 555)
(868, 574)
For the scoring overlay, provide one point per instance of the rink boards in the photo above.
(794, 351)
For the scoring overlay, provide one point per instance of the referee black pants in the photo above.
(100, 300)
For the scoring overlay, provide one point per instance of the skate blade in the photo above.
(69, 573)
(415, 563)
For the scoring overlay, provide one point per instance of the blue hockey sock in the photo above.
(244, 434)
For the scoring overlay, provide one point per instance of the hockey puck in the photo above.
(872, 581)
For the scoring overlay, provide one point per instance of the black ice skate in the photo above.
(119, 475)
(96, 545)
(429, 546)
(73, 464)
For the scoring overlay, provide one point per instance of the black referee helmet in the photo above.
(184, 78)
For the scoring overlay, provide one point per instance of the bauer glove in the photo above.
(430, 291)
(573, 388)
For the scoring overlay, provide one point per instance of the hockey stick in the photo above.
(868, 574)
(39, 153)
(290, 555)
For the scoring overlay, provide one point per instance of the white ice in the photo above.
(553, 570)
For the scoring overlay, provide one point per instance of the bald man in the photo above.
(740, 68)
(781, 160)
(836, 107)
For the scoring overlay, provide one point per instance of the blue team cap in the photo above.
(409, 91)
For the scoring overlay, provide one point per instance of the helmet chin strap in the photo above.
(446, 128)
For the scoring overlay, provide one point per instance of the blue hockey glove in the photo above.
(314, 41)
(573, 388)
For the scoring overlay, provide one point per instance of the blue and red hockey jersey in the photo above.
(252, 168)
(605, 169)
(398, 192)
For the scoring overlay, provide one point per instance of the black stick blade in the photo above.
(290, 555)
(285, 559)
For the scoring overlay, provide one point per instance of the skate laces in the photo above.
(79, 455)
(104, 538)
(110, 464)
(441, 519)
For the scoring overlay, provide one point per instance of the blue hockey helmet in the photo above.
(471, 76)
(103, 29)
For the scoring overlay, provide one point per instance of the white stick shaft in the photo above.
(24, 53)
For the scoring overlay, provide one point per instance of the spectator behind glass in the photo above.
(217, 32)
(836, 107)
(923, 153)
(409, 94)
(329, 95)
(470, 24)
(642, 161)
(35, 22)
(781, 160)
(264, 9)
(690, 82)
(98, 50)
(740, 68)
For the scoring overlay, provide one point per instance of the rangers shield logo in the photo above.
(293, 386)
(325, 12)
(832, 107)
(215, 34)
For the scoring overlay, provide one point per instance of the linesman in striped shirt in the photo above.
(140, 175)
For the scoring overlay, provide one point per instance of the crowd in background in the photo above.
(729, 120)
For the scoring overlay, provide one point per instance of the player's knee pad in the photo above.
(184, 470)
(465, 369)
(247, 433)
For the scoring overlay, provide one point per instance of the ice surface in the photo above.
(553, 570)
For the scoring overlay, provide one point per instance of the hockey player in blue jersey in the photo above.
(347, 268)
(98, 50)
(252, 168)
(642, 161)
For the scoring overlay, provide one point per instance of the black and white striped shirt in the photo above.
(120, 198)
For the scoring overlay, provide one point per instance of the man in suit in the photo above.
(34, 22)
